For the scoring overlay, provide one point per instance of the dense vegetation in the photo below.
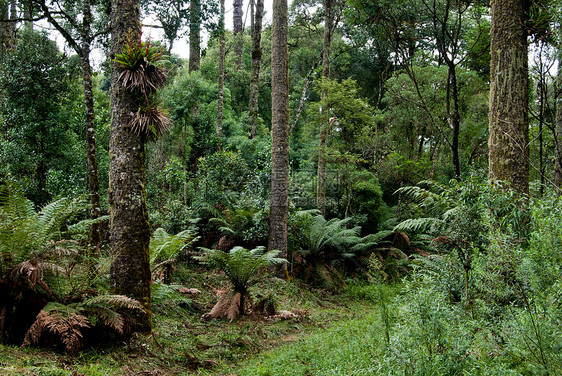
(408, 204)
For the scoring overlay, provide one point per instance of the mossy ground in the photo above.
(183, 343)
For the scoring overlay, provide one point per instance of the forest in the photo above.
(338, 187)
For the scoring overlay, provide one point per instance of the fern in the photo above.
(66, 323)
(420, 225)
(320, 234)
(241, 266)
(164, 246)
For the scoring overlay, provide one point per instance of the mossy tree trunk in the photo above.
(509, 83)
(253, 106)
(222, 52)
(325, 128)
(194, 35)
(238, 29)
(129, 228)
(558, 129)
(279, 206)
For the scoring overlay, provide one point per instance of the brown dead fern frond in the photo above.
(62, 322)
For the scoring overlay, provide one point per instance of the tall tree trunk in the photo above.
(195, 35)
(92, 165)
(129, 231)
(220, 101)
(256, 65)
(238, 28)
(454, 117)
(279, 206)
(509, 133)
(324, 129)
(558, 129)
(7, 29)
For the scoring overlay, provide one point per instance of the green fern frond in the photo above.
(164, 246)
(370, 242)
(240, 264)
(419, 225)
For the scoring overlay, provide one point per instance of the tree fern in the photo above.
(241, 266)
(320, 235)
(66, 323)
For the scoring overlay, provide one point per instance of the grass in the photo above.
(183, 343)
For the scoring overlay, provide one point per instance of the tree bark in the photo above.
(509, 83)
(195, 36)
(279, 206)
(324, 129)
(129, 229)
(253, 105)
(92, 165)
(558, 129)
(238, 28)
(220, 101)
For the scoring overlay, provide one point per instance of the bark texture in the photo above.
(129, 228)
(279, 207)
(89, 120)
(509, 135)
(558, 131)
(253, 106)
(323, 138)
(7, 29)
(222, 52)
(238, 28)
(195, 36)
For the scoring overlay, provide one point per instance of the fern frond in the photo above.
(64, 322)
(419, 225)
(164, 246)
(370, 242)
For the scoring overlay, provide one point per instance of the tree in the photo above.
(509, 84)
(80, 36)
(35, 79)
(195, 35)
(256, 64)
(324, 128)
(129, 231)
(220, 100)
(279, 205)
(238, 28)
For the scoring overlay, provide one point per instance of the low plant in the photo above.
(242, 267)
(66, 324)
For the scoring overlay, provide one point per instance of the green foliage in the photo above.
(38, 135)
(165, 249)
(240, 264)
(318, 236)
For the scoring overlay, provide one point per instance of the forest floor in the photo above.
(184, 343)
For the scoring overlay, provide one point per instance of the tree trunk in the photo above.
(238, 29)
(129, 231)
(279, 208)
(256, 65)
(454, 118)
(558, 129)
(323, 138)
(194, 36)
(220, 101)
(509, 133)
(7, 29)
(92, 165)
